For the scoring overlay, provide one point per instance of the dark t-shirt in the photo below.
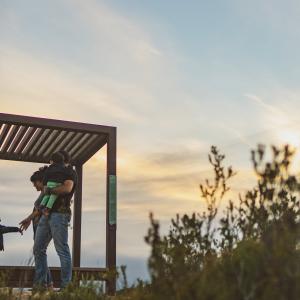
(57, 173)
(63, 202)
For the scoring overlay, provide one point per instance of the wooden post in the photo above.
(77, 218)
(111, 210)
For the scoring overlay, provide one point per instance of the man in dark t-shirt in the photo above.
(56, 227)
(63, 202)
(55, 175)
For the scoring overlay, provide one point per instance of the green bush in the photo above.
(248, 253)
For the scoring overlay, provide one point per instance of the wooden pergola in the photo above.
(31, 139)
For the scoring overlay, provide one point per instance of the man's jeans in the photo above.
(54, 226)
(49, 276)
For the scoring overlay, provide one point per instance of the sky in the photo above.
(174, 77)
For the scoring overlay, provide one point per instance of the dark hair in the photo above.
(57, 158)
(66, 155)
(43, 168)
(37, 176)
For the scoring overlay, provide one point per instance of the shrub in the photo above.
(248, 253)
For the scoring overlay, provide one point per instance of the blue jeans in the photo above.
(55, 227)
(49, 276)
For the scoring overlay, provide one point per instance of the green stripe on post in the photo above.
(112, 199)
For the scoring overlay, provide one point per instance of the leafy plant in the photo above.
(250, 253)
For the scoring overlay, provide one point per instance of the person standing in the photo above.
(55, 227)
(54, 176)
(37, 181)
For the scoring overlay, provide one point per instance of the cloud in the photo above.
(123, 33)
(283, 126)
(30, 86)
(268, 107)
(102, 73)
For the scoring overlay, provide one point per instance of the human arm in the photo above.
(63, 189)
(8, 229)
(24, 224)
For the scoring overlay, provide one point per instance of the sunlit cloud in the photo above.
(27, 80)
(284, 128)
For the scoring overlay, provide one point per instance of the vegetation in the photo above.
(249, 252)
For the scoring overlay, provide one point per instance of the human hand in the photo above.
(25, 224)
(47, 190)
(46, 211)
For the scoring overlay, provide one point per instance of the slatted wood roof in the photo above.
(34, 139)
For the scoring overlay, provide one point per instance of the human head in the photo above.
(37, 180)
(57, 158)
(66, 155)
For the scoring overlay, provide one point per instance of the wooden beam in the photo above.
(17, 140)
(86, 153)
(28, 135)
(65, 141)
(111, 210)
(81, 142)
(54, 124)
(10, 138)
(23, 158)
(34, 138)
(52, 148)
(77, 218)
(74, 141)
(39, 143)
(4, 133)
(47, 143)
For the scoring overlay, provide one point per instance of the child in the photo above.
(54, 176)
(6, 229)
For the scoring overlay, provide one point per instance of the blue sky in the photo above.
(174, 76)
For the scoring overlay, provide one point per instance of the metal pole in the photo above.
(77, 218)
(111, 211)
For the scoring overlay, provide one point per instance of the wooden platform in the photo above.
(22, 276)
